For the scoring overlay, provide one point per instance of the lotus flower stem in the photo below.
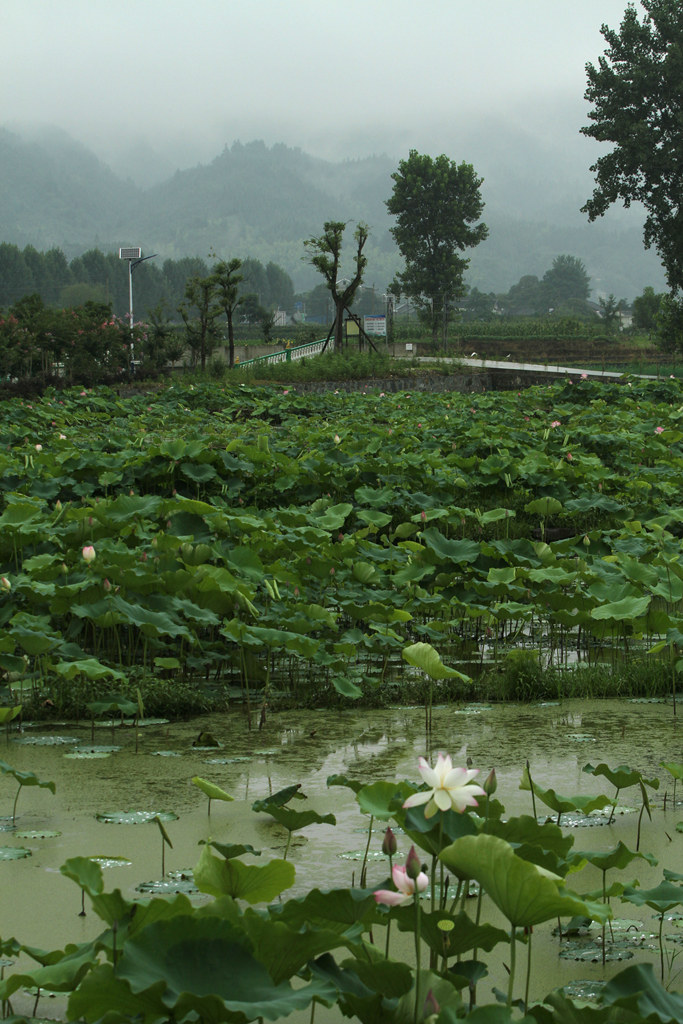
(364, 865)
(528, 969)
(418, 1005)
(511, 980)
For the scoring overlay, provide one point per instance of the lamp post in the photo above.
(134, 256)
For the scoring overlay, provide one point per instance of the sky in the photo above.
(339, 78)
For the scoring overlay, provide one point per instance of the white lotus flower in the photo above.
(450, 788)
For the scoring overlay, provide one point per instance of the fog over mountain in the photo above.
(152, 98)
(257, 200)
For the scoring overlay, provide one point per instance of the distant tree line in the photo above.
(103, 278)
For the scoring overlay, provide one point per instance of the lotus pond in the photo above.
(208, 548)
(223, 543)
(140, 890)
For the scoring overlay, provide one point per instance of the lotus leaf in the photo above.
(524, 893)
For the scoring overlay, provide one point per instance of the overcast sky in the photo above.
(336, 77)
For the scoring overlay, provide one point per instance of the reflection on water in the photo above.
(41, 907)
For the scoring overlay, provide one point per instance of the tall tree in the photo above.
(437, 204)
(200, 294)
(645, 309)
(637, 96)
(566, 283)
(226, 278)
(324, 253)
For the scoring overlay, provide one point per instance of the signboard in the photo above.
(375, 325)
(351, 328)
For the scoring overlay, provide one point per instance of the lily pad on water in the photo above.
(13, 853)
(371, 857)
(44, 741)
(134, 817)
(593, 953)
(111, 862)
(91, 753)
(166, 753)
(174, 882)
(36, 834)
(226, 760)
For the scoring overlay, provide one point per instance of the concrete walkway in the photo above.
(565, 371)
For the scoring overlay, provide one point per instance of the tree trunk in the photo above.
(231, 342)
(339, 326)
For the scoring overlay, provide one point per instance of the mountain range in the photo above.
(257, 201)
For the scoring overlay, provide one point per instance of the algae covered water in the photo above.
(101, 779)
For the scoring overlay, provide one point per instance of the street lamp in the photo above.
(134, 256)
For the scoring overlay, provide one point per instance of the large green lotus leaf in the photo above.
(91, 668)
(663, 897)
(525, 831)
(284, 950)
(250, 882)
(100, 993)
(450, 550)
(543, 506)
(280, 798)
(34, 641)
(8, 715)
(115, 702)
(230, 850)
(340, 779)
(26, 778)
(564, 804)
(618, 857)
(209, 972)
(637, 990)
(126, 506)
(334, 517)
(210, 789)
(621, 777)
(177, 448)
(627, 608)
(292, 820)
(673, 768)
(523, 892)
(374, 517)
(391, 978)
(382, 799)
(86, 873)
(20, 513)
(151, 623)
(458, 939)
(423, 656)
(199, 472)
(63, 975)
(338, 909)
(346, 687)
(246, 561)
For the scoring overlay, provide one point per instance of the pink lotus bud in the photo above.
(88, 553)
(389, 844)
(106, 584)
(39, 447)
(413, 865)
(5, 583)
(58, 505)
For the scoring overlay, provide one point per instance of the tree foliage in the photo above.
(437, 204)
(637, 94)
(324, 253)
(226, 279)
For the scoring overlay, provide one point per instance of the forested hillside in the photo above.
(261, 202)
